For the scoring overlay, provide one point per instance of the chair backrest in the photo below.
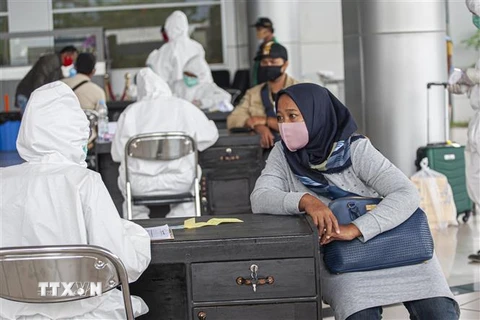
(241, 80)
(48, 274)
(221, 78)
(162, 146)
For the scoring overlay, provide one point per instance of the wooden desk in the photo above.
(197, 272)
(230, 169)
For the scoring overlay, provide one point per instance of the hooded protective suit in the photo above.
(53, 199)
(169, 60)
(158, 111)
(469, 82)
(205, 94)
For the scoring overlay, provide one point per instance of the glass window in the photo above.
(70, 4)
(3, 24)
(27, 50)
(133, 34)
(3, 6)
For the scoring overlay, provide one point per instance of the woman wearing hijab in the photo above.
(320, 158)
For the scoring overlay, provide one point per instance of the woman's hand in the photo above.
(347, 232)
(322, 216)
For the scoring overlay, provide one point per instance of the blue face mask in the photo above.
(190, 81)
(85, 149)
(72, 72)
(476, 21)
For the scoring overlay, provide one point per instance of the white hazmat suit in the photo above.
(169, 60)
(469, 82)
(158, 111)
(53, 199)
(205, 94)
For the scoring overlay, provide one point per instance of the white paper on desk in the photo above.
(160, 233)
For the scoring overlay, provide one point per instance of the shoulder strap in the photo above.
(80, 84)
(267, 103)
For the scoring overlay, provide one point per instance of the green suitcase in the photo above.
(450, 161)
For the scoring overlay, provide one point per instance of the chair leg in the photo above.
(129, 202)
(198, 212)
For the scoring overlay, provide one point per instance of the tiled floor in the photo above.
(452, 248)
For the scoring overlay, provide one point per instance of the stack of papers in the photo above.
(160, 233)
(165, 232)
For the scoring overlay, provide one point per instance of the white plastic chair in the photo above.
(161, 146)
(26, 272)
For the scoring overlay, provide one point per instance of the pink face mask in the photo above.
(294, 134)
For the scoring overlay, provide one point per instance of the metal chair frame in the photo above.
(161, 136)
(37, 254)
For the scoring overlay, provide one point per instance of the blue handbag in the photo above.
(407, 244)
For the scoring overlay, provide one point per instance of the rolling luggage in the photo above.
(449, 160)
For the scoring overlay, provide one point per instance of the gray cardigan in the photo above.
(278, 191)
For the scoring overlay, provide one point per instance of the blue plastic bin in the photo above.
(9, 126)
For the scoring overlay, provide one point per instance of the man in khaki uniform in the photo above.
(87, 92)
(256, 110)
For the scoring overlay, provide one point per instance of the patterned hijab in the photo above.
(330, 131)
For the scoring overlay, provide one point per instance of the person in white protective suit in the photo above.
(468, 81)
(158, 111)
(53, 199)
(169, 60)
(197, 87)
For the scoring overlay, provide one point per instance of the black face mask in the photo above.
(269, 73)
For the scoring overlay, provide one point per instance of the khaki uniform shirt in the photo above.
(88, 93)
(251, 105)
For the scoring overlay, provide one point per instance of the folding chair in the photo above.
(27, 272)
(161, 146)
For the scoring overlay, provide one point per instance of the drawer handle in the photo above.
(230, 158)
(202, 315)
(254, 279)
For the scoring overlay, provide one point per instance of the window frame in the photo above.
(220, 3)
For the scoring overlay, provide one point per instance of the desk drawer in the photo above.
(282, 311)
(229, 155)
(223, 281)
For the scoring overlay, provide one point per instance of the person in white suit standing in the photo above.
(468, 81)
(169, 60)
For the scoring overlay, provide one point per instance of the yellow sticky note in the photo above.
(192, 224)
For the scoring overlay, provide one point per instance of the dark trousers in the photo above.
(439, 308)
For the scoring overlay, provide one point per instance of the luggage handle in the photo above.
(446, 120)
(431, 84)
